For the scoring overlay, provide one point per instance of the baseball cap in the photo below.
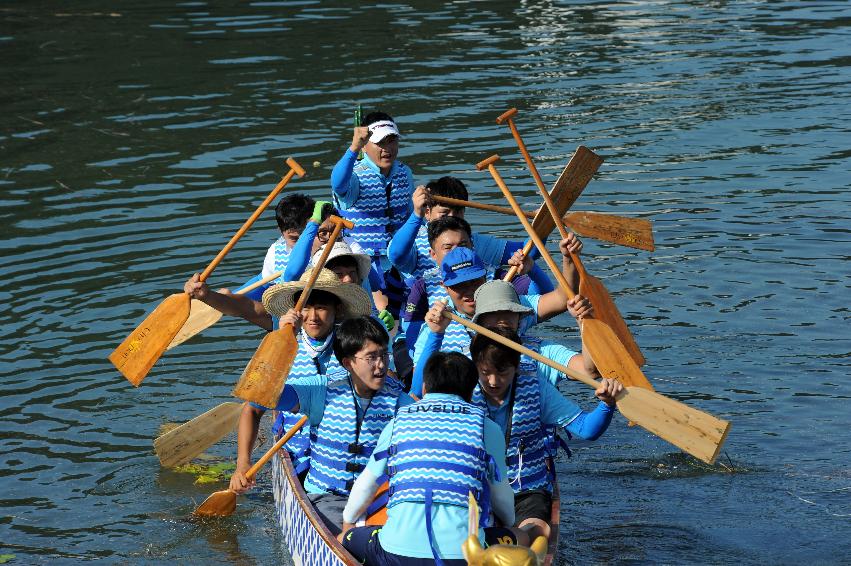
(461, 265)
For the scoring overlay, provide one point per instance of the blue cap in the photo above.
(460, 265)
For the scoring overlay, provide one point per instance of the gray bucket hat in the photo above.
(495, 296)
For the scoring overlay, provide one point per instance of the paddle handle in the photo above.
(252, 471)
(480, 206)
(577, 375)
(527, 247)
(538, 181)
(260, 283)
(339, 224)
(489, 164)
(295, 168)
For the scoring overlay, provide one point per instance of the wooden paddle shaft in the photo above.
(252, 471)
(295, 168)
(534, 170)
(527, 247)
(339, 224)
(579, 376)
(481, 206)
(489, 164)
(260, 283)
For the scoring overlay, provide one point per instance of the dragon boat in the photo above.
(309, 541)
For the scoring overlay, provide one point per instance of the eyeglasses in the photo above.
(373, 359)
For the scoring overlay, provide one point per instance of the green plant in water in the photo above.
(208, 473)
(6, 557)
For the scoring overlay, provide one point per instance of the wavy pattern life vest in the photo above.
(437, 445)
(340, 448)
(304, 366)
(527, 449)
(376, 216)
(282, 257)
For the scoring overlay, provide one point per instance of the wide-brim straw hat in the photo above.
(280, 298)
(498, 295)
(342, 249)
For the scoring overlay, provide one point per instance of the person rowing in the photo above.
(435, 453)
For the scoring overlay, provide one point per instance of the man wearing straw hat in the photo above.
(330, 302)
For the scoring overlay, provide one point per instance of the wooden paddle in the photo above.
(610, 356)
(569, 185)
(203, 316)
(179, 445)
(223, 503)
(698, 433)
(630, 232)
(143, 347)
(263, 379)
(589, 286)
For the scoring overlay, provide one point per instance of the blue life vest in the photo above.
(530, 366)
(342, 444)
(381, 207)
(437, 455)
(282, 257)
(304, 366)
(527, 450)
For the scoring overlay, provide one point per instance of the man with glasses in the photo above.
(347, 413)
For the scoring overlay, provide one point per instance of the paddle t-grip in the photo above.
(485, 163)
(295, 168)
(507, 115)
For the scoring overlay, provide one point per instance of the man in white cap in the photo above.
(375, 192)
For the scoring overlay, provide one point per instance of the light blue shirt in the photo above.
(405, 532)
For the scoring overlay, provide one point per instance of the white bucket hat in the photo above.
(343, 249)
(495, 296)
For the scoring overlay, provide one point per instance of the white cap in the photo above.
(382, 129)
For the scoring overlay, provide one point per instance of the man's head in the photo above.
(347, 265)
(320, 313)
(326, 227)
(497, 305)
(445, 187)
(446, 234)
(496, 364)
(450, 372)
(360, 345)
(292, 213)
(463, 273)
(383, 145)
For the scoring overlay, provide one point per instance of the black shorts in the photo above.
(363, 543)
(533, 504)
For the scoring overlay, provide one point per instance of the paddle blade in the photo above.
(263, 379)
(219, 504)
(143, 347)
(569, 185)
(201, 317)
(630, 232)
(610, 356)
(179, 445)
(695, 432)
(606, 311)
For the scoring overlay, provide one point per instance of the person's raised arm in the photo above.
(229, 303)
(402, 250)
(342, 172)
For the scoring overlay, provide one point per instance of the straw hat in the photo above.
(496, 296)
(278, 299)
(342, 249)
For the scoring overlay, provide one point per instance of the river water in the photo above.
(136, 138)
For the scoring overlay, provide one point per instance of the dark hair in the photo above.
(342, 261)
(450, 372)
(374, 117)
(327, 210)
(319, 297)
(448, 187)
(441, 225)
(353, 334)
(293, 212)
(484, 349)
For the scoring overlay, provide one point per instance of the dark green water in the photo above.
(136, 137)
